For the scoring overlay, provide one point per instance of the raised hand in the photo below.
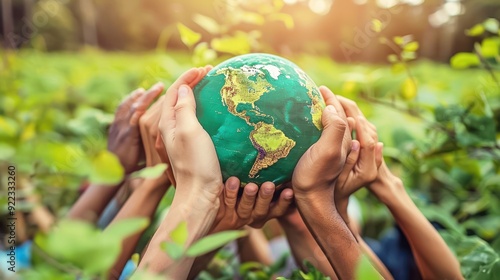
(254, 207)
(363, 162)
(190, 150)
(319, 167)
(124, 138)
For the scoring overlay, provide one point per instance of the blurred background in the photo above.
(425, 72)
(329, 27)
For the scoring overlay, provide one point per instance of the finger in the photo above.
(363, 134)
(141, 105)
(379, 154)
(231, 193)
(283, 203)
(350, 162)
(264, 198)
(167, 121)
(352, 123)
(129, 100)
(331, 99)
(350, 107)
(247, 201)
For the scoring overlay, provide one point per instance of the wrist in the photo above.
(389, 189)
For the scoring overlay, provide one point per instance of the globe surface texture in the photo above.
(262, 113)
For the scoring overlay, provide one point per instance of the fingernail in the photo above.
(183, 91)
(233, 186)
(288, 195)
(330, 108)
(355, 146)
(267, 190)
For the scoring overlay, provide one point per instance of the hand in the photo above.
(254, 207)
(190, 150)
(363, 162)
(319, 167)
(124, 137)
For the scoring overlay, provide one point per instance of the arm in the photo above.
(313, 183)
(433, 257)
(303, 245)
(142, 203)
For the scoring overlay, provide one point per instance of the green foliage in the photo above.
(77, 248)
(150, 172)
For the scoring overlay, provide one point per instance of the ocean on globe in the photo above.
(262, 112)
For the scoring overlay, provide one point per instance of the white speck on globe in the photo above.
(273, 70)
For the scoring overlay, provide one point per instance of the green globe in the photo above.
(262, 113)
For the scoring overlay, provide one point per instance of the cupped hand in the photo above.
(319, 167)
(124, 138)
(190, 149)
(254, 208)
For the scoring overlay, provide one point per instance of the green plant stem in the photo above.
(477, 50)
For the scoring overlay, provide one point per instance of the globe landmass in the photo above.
(262, 113)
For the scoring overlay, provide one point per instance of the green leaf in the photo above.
(376, 25)
(6, 151)
(476, 30)
(180, 233)
(492, 25)
(203, 55)
(411, 47)
(407, 55)
(490, 47)
(365, 270)
(251, 17)
(124, 228)
(188, 36)
(174, 250)
(409, 89)
(236, 45)
(152, 172)
(398, 40)
(397, 68)
(464, 60)
(106, 169)
(213, 242)
(207, 23)
(392, 58)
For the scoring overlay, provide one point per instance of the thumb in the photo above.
(185, 109)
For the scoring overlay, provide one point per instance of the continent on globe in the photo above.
(262, 113)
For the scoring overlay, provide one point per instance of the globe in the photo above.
(262, 112)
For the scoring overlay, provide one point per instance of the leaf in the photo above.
(6, 151)
(188, 36)
(376, 25)
(106, 169)
(407, 55)
(490, 47)
(365, 270)
(476, 30)
(180, 233)
(152, 172)
(236, 45)
(398, 40)
(411, 47)
(124, 228)
(492, 25)
(173, 250)
(212, 242)
(397, 68)
(203, 55)
(409, 89)
(207, 23)
(252, 18)
(464, 60)
(392, 58)
(285, 18)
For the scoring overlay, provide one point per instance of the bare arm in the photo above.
(142, 203)
(434, 259)
(303, 245)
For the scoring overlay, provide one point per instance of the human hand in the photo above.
(254, 208)
(363, 162)
(190, 150)
(319, 167)
(124, 138)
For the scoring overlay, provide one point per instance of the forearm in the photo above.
(199, 219)
(331, 233)
(92, 202)
(142, 203)
(304, 247)
(433, 257)
(254, 247)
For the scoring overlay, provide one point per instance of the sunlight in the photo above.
(320, 7)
